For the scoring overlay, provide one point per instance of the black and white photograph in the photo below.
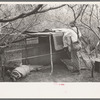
(50, 42)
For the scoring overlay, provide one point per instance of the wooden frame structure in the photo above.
(47, 34)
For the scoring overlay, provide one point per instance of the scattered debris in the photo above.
(20, 71)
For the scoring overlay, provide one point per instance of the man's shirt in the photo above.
(69, 33)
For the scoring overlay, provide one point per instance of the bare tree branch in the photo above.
(11, 31)
(76, 16)
(79, 12)
(23, 15)
(4, 25)
(91, 15)
(72, 8)
(86, 24)
(35, 11)
(52, 8)
(57, 19)
(97, 14)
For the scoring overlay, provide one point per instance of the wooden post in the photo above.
(96, 53)
(92, 72)
(3, 61)
(3, 65)
(51, 58)
(26, 52)
(96, 49)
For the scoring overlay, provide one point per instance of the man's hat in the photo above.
(72, 24)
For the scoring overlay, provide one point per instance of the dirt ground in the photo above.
(60, 74)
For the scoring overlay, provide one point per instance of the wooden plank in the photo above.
(37, 56)
(51, 54)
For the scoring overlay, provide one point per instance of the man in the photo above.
(71, 40)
